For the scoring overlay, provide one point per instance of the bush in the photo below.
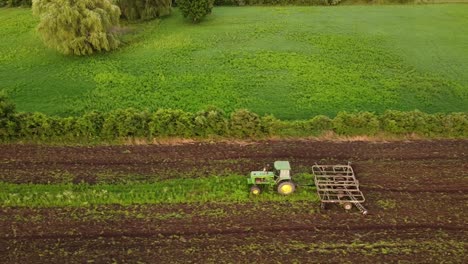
(144, 9)
(210, 122)
(195, 10)
(89, 125)
(67, 128)
(318, 124)
(78, 27)
(455, 125)
(397, 122)
(171, 123)
(132, 123)
(245, 124)
(123, 123)
(363, 123)
(7, 118)
(270, 125)
(34, 126)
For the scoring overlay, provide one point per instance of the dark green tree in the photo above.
(195, 10)
(7, 119)
(78, 27)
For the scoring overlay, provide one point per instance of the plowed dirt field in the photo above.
(416, 191)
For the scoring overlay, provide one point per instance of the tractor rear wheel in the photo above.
(255, 190)
(286, 188)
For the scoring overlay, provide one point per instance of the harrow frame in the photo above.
(338, 184)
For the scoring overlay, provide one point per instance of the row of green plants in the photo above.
(230, 188)
(213, 122)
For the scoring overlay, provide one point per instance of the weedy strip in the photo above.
(210, 189)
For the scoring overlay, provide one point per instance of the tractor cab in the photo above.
(280, 177)
(282, 170)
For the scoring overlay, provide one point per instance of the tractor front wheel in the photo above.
(286, 188)
(255, 190)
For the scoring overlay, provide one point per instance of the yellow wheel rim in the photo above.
(287, 188)
(256, 191)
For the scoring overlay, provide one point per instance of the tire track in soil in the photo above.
(41, 164)
(427, 190)
(270, 230)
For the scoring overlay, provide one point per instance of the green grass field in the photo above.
(293, 62)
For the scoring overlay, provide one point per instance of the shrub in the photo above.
(318, 124)
(270, 125)
(56, 127)
(455, 125)
(78, 27)
(397, 122)
(171, 123)
(125, 123)
(109, 126)
(245, 124)
(66, 128)
(132, 123)
(210, 122)
(363, 123)
(195, 10)
(144, 9)
(89, 125)
(7, 118)
(34, 126)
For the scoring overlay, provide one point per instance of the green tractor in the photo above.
(280, 178)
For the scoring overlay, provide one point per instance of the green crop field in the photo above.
(293, 62)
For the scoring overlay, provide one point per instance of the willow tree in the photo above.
(78, 27)
(144, 9)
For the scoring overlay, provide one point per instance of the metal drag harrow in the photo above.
(338, 184)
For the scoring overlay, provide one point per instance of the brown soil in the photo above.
(416, 194)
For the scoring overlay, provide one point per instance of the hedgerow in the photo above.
(309, 2)
(363, 123)
(12, 3)
(144, 9)
(213, 122)
(171, 123)
(275, 2)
